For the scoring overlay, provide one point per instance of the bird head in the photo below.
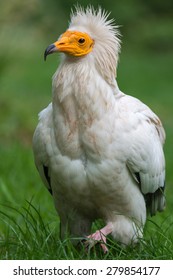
(73, 43)
(90, 33)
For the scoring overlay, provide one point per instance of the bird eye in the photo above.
(81, 40)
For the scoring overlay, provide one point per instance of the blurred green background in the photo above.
(145, 71)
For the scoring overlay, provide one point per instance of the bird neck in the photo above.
(81, 76)
(81, 93)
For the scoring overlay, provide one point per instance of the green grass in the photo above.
(33, 238)
(29, 225)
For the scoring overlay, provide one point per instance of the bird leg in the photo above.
(100, 236)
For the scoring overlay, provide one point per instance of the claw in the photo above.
(99, 236)
(95, 238)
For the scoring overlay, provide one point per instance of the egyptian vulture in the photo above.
(98, 151)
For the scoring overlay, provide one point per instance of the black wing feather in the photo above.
(46, 174)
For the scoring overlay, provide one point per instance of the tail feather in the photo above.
(155, 201)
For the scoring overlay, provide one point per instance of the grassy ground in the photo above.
(28, 222)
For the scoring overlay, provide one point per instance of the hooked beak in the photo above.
(58, 46)
(50, 49)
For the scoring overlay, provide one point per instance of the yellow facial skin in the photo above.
(74, 43)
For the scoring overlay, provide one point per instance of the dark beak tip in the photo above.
(50, 49)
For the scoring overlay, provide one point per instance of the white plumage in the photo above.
(98, 150)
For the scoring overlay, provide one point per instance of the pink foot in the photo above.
(100, 236)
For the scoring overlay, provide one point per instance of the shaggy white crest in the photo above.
(105, 34)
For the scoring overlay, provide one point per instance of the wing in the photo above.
(146, 160)
(41, 144)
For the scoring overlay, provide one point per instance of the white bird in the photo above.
(98, 151)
